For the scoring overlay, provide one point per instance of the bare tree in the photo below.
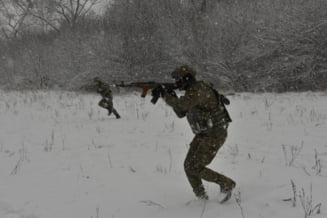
(44, 12)
(13, 14)
(134, 35)
(53, 13)
(71, 11)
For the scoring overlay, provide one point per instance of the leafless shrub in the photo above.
(294, 194)
(317, 166)
(269, 123)
(97, 210)
(307, 204)
(291, 155)
(152, 203)
(306, 201)
(109, 159)
(203, 208)
(92, 144)
(161, 169)
(20, 161)
(98, 129)
(268, 104)
(48, 145)
(170, 160)
(132, 169)
(239, 202)
(91, 114)
(306, 171)
(63, 143)
(234, 151)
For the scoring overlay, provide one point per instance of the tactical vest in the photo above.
(104, 90)
(211, 112)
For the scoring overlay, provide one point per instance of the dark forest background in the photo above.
(239, 45)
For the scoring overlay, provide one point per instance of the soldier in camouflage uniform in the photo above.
(106, 101)
(205, 111)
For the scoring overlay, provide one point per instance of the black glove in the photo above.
(225, 100)
(156, 93)
(171, 92)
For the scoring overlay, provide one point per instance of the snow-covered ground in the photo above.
(61, 156)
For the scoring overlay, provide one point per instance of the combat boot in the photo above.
(227, 186)
(200, 193)
(115, 113)
(109, 111)
(203, 196)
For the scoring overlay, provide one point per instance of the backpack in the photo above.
(223, 100)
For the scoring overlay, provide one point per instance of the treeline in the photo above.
(241, 45)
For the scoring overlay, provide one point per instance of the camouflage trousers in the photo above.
(107, 104)
(203, 149)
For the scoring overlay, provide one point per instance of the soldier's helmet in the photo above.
(182, 71)
(96, 79)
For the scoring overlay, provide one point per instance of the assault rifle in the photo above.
(145, 86)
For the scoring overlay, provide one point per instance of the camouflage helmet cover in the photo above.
(182, 71)
(96, 79)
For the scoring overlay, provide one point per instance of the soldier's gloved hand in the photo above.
(158, 91)
(225, 100)
(171, 92)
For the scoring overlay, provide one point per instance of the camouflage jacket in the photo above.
(104, 90)
(202, 107)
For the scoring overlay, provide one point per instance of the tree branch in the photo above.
(46, 21)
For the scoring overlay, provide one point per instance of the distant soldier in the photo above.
(204, 109)
(106, 101)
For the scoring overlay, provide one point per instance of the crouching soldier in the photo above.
(106, 101)
(204, 109)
